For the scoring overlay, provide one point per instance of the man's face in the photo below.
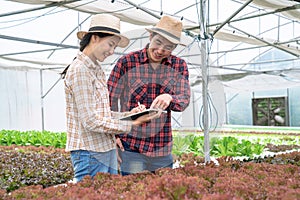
(159, 48)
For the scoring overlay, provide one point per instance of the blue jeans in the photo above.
(134, 162)
(90, 163)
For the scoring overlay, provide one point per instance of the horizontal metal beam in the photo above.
(38, 8)
(34, 51)
(37, 42)
(294, 7)
(264, 41)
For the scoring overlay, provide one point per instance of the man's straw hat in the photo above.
(105, 23)
(169, 28)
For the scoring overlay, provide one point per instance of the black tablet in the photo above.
(137, 115)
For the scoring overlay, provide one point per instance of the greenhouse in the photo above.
(252, 52)
(243, 58)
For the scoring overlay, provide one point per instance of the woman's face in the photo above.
(159, 48)
(104, 47)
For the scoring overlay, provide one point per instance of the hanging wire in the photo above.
(28, 19)
(205, 36)
(212, 109)
(161, 10)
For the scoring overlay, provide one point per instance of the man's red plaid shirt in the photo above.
(133, 80)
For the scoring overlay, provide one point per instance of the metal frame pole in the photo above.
(42, 99)
(204, 70)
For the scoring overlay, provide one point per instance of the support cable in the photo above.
(231, 16)
(264, 41)
(39, 8)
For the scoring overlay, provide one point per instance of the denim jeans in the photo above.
(90, 163)
(134, 162)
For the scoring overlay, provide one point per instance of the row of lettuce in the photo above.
(183, 143)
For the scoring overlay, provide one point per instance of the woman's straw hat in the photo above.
(169, 28)
(105, 23)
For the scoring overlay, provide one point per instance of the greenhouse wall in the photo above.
(239, 106)
(294, 106)
(239, 109)
(21, 105)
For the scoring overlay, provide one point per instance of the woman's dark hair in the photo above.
(83, 43)
(87, 38)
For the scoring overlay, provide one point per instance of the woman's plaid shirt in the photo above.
(90, 123)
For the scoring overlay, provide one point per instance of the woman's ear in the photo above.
(94, 38)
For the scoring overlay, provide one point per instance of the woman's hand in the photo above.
(119, 144)
(138, 109)
(145, 118)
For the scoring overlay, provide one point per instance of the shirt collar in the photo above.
(87, 61)
(95, 68)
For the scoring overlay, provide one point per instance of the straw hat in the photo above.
(105, 23)
(169, 28)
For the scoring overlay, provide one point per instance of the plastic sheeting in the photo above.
(257, 51)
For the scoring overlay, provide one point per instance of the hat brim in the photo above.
(122, 43)
(174, 41)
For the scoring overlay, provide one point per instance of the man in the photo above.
(157, 79)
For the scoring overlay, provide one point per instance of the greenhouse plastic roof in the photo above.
(252, 45)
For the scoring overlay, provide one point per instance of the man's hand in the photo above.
(162, 101)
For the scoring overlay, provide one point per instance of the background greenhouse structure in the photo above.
(243, 58)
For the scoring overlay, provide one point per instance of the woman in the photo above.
(91, 125)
